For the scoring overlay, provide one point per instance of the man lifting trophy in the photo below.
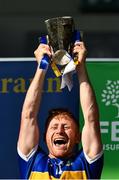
(62, 133)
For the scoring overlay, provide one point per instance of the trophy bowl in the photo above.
(60, 30)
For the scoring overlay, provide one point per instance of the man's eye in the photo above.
(66, 127)
(54, 127)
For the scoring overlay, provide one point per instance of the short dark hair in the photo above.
(59, 111)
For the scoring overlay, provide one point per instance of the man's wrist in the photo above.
(44, 63)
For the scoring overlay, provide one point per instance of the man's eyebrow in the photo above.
(66, 124)
(54, 124)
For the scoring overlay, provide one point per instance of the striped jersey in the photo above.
(41, 166)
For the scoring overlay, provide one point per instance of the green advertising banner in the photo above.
(104, 76)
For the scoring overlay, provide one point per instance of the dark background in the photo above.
(22, 22)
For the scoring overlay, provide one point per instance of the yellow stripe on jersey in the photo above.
(68, 175)
(73, 175)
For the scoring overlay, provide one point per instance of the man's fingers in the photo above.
(78, 43)
(79, 46)
(42, 49)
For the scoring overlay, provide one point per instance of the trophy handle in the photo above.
(45, 60)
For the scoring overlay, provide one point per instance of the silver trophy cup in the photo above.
(60, 31)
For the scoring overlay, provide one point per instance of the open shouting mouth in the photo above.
(58, 142)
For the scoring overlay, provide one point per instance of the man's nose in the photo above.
(60, 129)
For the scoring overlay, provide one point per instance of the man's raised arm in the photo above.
(91, 138)
(29, 130)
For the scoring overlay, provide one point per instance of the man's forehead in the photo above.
(61, 118)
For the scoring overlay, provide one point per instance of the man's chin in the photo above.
(58, 154)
